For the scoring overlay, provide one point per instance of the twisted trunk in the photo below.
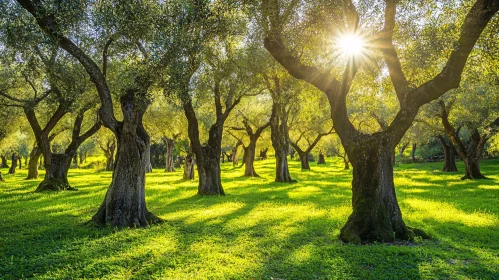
(56, 173)
(124, 204)
(34, 157)
(376, 215)
(280, 141)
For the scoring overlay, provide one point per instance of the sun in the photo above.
(351, 44)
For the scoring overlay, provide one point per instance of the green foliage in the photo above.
(261, 230)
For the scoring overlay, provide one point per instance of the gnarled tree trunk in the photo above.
(249, 159)
(376, 215)
(34, 157)
(210, 180)
(56, 173)
(124, 204)
(280, 141)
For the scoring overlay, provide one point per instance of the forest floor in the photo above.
(260, 230)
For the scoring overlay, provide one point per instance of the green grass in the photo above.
(260, 230)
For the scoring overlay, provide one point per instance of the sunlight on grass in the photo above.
(260, 230)
(445, 212)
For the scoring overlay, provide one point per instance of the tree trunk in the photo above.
(376, 215)
(34, 157)
(449, 156)
(402, 149)
(56, 173)
(189, 167)
(249, 159)
(280, 141)
(170, 145)
(4, 162)
(20, 159)
(321, 159)
(473, 156)
(304, 160)
(124, 204)
(413, 152)
(82, 157)
(12, 169)
(210, 182)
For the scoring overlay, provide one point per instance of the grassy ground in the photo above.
(260, 230)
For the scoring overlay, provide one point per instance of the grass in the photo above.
(260, 230)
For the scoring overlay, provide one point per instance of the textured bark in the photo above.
(279, 134)
(170, 145)
(210, 180)
(13, 166)
(34, 157)
(124, 204)
(449, 156)
(56, 173)
(376, 215)
(321, 159)
(249, 159)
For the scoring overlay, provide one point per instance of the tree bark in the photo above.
(170, 145)
(124, 204)
(189, 167)
(13, 166)
(34, 157)
(376, 215)
(235, 154)
(56, 173)
(147, 161)
(304, 160)
(4, 162)
(20, 159)
(449, 156)
(249, 159)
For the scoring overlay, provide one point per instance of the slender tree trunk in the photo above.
(34, 157)
(449, 156)
(147, 161)
(12, 169)
(235, 154)
(304, 160)
(413, 152)
(20, 158)
(376, 215)
(189, 167)
(124, 204)
(170, 145)
(4, 162)
(249, 159)
(82, 157)
(56, 173)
